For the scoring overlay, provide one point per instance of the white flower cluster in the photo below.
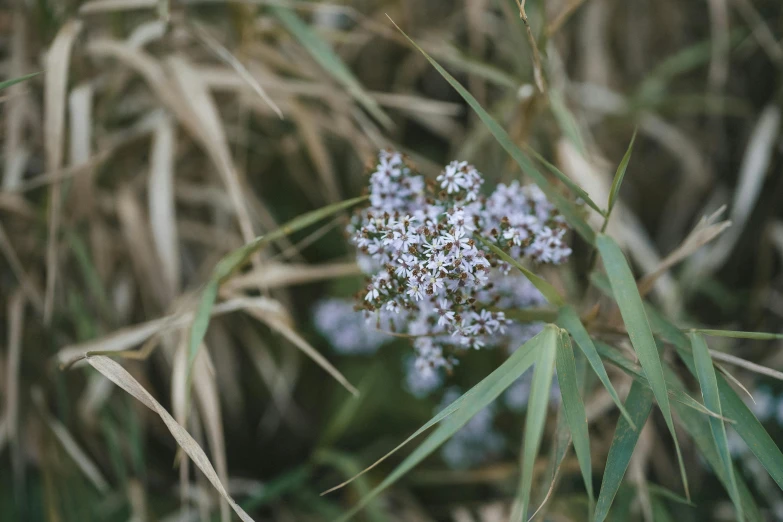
(416, 243)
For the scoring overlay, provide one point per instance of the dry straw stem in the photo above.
(55, 88)
(16, 305)
(117, 374)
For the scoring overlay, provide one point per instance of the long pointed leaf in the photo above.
(639, 403)
(632, 310)
(758, 336)
(619, 176)
(708, 382)
(330, 61)
(13, 81)
(574, 410)
(546, 289)
(476, 399)
(569, 320)
(567, 208)
(536, 416)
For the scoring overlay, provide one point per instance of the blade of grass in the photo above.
(758, 336)
(13, 81)
(567, 208)
(639, 403)
(232, 261)
(708, 382)
(575, 411)
(568, 182)
(534, 420)
(330, 61)
(547, 290)
(632, 310)
(568, 319)
(746, 424)
(117, 374)
(462, 410)
(619, 175)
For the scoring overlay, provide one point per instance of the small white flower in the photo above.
(415, 289)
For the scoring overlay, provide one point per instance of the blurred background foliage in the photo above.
(163, 134)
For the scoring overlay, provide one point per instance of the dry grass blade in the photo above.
(538, 69)
(117, 374)
(162, 210)
(742, 363)
(15, 327)
(26, 283)
(225, 55)
(753, 171)
(704, 232)
(278, 323)
(276, 275)
(16, 154)
(55, 87)
(126, 338)
(81, 125)
(108, 6)
(71, 447)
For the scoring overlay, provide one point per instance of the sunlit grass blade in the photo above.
(546, 289)
(639, 403)
(569, 320)
(574, 410)
(632, 310)
(330, 61)
(746, 424)
(708, 381)
(567, 208)
(571, 184)
(233, 261)
(476, 399)
(536, 416)
(619, 175)
(13, 81)
(758, 336)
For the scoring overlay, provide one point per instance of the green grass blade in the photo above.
(571, 184)
(13, 81)
(472, 402)
(659, 511)
(632, 310)
(566, 208)
(574, 410)
(746, 424)
(639, 403)
(569, 320)
(619, 175)
(547, 290)
(234, 260)
(758, 336)
(708, 381)
(566, 121)
(676, 393)
(330, 61)
(536, 416)
(662, 492)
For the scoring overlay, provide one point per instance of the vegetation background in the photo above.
(164, 134)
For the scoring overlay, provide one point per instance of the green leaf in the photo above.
(574, 410)
(566, 208)
(759, 336)
(708, 381)
(569, 320)
(676, 392)
(547, 290)
(619, 175)
(746, 424)
(639, 403)
(571, 184)
(330, 61)
(631, 308)
(234, 260)
(463, 409)
(13, 81)
(536, 416)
